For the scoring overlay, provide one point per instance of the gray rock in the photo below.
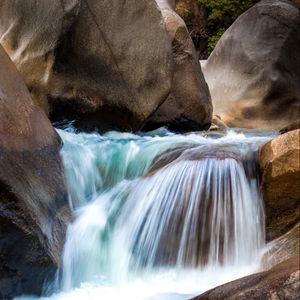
(253, 73)
(106, 63)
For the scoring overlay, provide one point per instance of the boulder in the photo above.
(33, 198)
(280, 167)
(281, 282)
(195, 17)
(30, 32)
(253, 73)
(108, 70)
(188, 106)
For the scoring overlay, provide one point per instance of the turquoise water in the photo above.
(171, 233)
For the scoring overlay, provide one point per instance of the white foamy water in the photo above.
(189, 225)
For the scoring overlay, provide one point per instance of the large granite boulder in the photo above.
(33, 199)
(281, 282)
(114, 66)
(30, 32)
(107, 63)
(280, 167)
(188, 106)
(253, 73)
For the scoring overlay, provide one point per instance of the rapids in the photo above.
(159, 215)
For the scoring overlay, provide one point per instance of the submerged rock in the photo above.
(188, 106)
(200, 201)
(280, 167)
(253, 73)
(190, 152)
(33, 198)
(281, 282)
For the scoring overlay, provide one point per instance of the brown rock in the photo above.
(297, 3)
(281, 282)
(195, 17)
(280, 167)
(293, 126)
(186, 152)
(32, 189)
(188, 106)
(217, 124)
(167, 157)
(253, 73)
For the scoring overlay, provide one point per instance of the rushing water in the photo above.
(160, 216)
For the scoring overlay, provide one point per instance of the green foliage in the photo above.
(221, 14)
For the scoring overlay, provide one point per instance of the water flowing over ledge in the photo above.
(149, 228)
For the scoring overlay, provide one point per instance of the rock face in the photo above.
(33, 198)
(195, 17)
(280, 167)
(114, 66)
(29, 32)
(105, 70)
(281, 282)
(90, 63)
(283, 248)
(188, 106)
(253, 73)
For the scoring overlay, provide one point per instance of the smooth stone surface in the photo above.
(283, 248)
(280, 168)
(253, 73)
(188, 106)
(107, 64)
(32, 189)
(281, 282)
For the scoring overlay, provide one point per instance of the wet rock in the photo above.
(217, 124)
(280, 167)
(105, 70)
(32, 189)
(283, 248)
(167, 157)
(195, 17)
(188, 152)
(188, 106)
(281, 282)
(253, 72)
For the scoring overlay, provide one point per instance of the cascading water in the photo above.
(160, 216)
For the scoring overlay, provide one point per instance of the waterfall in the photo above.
(160, 215)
